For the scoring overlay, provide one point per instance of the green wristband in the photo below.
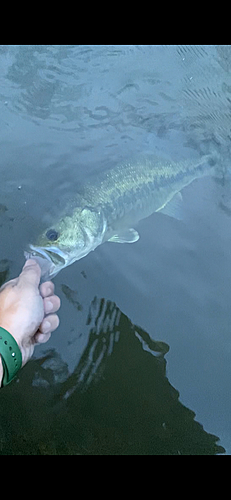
(11, 356)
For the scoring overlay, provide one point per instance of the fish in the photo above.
(106, 208)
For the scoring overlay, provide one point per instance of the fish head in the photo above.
(70, 239)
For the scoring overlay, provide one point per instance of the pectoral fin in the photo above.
(125, 236)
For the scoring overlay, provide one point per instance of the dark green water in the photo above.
(141, 361)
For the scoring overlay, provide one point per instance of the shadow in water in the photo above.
(118, 399)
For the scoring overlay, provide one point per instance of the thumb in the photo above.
(30, 275)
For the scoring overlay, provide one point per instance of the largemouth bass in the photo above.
(108, 207)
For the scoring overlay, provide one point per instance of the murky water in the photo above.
(141, 362)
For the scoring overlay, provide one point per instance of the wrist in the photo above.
(11, 356)
(12, 328)
(14, 332)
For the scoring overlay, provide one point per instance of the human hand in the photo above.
(27, 309)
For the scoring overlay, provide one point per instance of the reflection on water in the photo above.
(118, 399)
(189, 89)
(72, 296)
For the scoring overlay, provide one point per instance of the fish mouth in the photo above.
(53, 254)
(51, 260)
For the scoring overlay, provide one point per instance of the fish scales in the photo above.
(149, 181)
(109, 205)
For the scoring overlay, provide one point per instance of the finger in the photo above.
(51, 304)
(41, 338)
(49, 323)
(30, 275)
(47, 289)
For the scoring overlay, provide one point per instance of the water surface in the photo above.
(141, 361)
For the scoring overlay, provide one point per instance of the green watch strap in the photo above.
(11, 356)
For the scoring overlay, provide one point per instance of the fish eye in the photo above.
(52, 234)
